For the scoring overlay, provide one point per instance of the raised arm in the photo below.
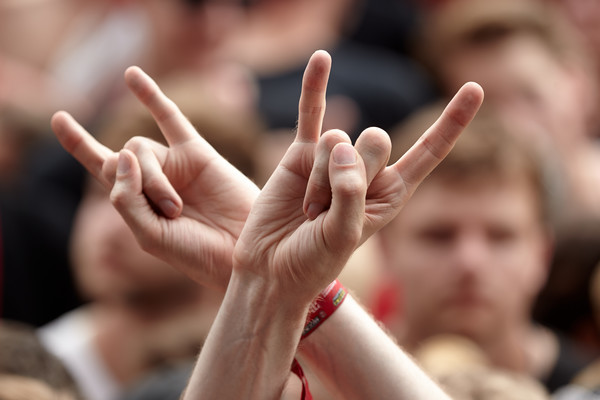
(283, 259)
(281, 262)
(353, 356)
(356, 359)
(208, 259)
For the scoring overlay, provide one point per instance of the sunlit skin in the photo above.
(204, 201)
(325, 190)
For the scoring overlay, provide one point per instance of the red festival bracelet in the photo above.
(297, 369)
(323, 306)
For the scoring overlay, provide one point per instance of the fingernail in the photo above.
(344, 154)
(313, 210)
(168, 208)
(124, 164)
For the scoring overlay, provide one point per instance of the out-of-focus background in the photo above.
(72, 274)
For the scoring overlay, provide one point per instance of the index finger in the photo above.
(81, 144)
(311, 107)
(175, 127)
(435, 144)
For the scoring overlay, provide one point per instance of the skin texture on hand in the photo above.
(204, 201)
(190, 207)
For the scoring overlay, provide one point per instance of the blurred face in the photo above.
(586, 15)
(190, 32)
(108, 262)
(551, 104)
(469, 258)
(521, 78)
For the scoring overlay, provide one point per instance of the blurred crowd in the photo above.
(490, 275)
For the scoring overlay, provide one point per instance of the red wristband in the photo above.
(297, 369)
(323, 306)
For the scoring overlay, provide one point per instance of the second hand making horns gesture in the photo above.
(203, 201)
(184, 202)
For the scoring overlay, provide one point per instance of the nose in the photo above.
(471, 253)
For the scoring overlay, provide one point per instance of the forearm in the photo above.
(251, 345)
(356, 359)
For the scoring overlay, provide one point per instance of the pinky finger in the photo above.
(435, 144)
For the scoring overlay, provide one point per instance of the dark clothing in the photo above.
(572, 359)
(36, 284)
(385, 86)
(165, 384)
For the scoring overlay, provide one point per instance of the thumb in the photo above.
(129, 200)
(344, 221)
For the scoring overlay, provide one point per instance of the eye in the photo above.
(594, 135)
(490, 33)
(501, 234)
(438, 235)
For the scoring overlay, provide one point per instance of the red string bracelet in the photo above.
(297, 369)
(323, 306)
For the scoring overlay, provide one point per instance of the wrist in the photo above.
(331, 331)
(256, 331)
(324, 305)
(264, 304)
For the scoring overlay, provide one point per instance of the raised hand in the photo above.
(325, 179)
(391, 186)
(184, 202)
(203, 201)
(279, 242)
(302, 228)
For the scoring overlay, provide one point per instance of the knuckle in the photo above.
(374, 141)
(153, 184)
(71, 142)
(335, 136)
(434, 149)
(319, 186)
(118, 197)
(351, 188)
(380, 144)
(136, 144)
